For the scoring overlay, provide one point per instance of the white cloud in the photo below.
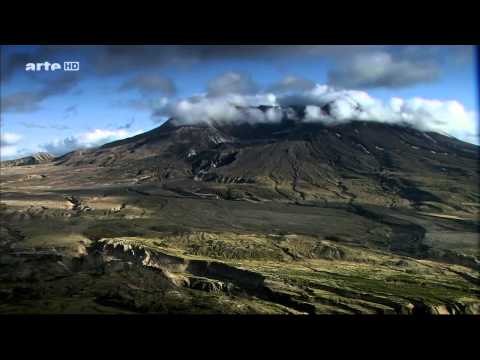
(442, 116)
(329, 105)
(449, 117)
(86, 140)
(227, 108)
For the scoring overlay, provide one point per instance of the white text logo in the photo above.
(48, 66)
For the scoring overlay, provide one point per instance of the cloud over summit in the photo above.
(120, 82)
(327, 105)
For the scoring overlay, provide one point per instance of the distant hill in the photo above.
(38, 158)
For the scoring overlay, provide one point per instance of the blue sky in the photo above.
(59, 111)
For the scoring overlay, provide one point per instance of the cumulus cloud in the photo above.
(327, 105)
(331, 106)
(231, 83)
(381, 69)
(150, 84)
(291, 83)
(227, 108)
(86, 140)
(448, 117)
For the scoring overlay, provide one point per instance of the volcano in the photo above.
(240, 217)
(297, 161)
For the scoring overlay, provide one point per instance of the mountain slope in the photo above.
(297, 161)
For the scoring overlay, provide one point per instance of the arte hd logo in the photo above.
(48, 66)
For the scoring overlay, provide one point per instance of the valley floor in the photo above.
(74, 243)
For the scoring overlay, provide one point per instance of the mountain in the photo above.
(38, 158)
(280, 217)
(297, 161)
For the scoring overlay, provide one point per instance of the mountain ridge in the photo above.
(296, 161)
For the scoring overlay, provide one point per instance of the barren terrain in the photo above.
(73, 241)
